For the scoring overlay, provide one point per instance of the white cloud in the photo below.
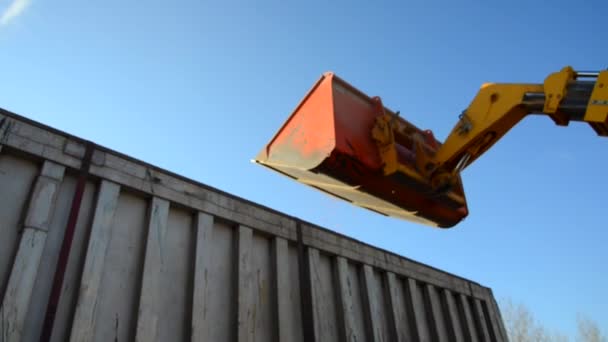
(13, 10)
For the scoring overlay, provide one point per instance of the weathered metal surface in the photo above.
(87, 313)
(156, 256)
(29, 253)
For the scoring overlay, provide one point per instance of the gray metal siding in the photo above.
(156, 257)
(116, 307)
(42, 285)
(216, 283)
(16, 178)
(71, 283)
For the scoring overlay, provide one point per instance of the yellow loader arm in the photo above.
(564, 96)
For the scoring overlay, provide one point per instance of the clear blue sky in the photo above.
(198, 87)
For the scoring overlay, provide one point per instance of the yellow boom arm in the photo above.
(564, 96)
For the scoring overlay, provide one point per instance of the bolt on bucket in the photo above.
(327, 144)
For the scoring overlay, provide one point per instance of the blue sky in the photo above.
(198, 87)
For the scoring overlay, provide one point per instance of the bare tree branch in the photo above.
(588, 331)
(521, 326)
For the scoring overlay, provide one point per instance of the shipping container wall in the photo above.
(97, 246)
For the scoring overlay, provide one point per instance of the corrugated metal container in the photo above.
(97, 246)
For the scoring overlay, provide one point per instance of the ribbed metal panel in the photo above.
(157, 257)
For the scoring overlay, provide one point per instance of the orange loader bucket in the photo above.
(327, 144)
